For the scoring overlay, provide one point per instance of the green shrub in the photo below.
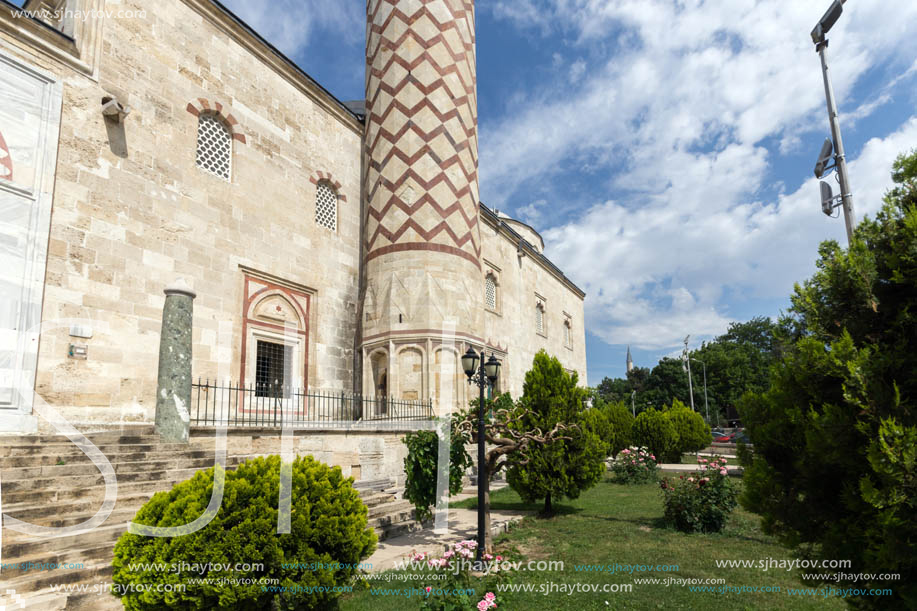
(328, 538)
(634, 466)
(693, 433)
(653, 430)
(700, 501)
(834, 470)
(620, 422)
(565, 467)
(420, 468)
(596, 422)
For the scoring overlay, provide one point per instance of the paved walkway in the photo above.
(733, 469)
(463, 524)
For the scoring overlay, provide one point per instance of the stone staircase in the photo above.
(47, 480)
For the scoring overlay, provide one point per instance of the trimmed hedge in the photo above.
(329, 537)
(654, 430)
(693, 433)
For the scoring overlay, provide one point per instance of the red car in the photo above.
(728, 437)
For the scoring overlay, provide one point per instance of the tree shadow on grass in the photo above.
(536, 509)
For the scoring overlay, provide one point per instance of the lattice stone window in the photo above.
(326, 206)
(490, 292)
(539, 319)
(214, 145)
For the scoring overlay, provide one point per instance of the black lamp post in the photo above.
(482, 374)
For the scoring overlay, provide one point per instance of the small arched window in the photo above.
(490, 292)
(326, 206)
(539, 319)
(214, 145)
(568, 335)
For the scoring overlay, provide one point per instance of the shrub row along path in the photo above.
(463, 524)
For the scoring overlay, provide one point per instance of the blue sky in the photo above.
(664, 149)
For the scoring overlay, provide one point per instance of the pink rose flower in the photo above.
(723, 471)
(428, 588)
(490, 596)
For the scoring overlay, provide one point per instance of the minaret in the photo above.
(422, 242)
(630, 361)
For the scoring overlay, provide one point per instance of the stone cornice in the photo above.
(523, 246)
(247, 38)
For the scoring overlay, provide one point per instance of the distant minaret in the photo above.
(630, 361)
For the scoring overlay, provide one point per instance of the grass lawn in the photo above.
(613, 524)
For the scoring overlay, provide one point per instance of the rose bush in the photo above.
(700, 501)
(454, 592)
(634, 466)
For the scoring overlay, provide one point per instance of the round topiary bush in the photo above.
(693, 433)
(238, 560)
(653, 430)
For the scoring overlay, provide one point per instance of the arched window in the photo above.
(539, 319)
(214, 145)
(326, 206)
(490, 292)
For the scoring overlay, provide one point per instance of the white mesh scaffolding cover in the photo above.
(326, 206)
(490, 292)
(214, 146)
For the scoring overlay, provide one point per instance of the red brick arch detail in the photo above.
(199, 105)
(318, 177)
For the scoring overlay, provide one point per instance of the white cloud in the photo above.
(577, 69)
(289, 24)
(622, 256)
(676, 123)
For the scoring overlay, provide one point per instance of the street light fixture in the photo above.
(840, 162)
(482, 374)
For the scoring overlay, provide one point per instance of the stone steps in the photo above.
(69, 449)
(93, 493)
(42, 473)
(79, 458)
(49, 481)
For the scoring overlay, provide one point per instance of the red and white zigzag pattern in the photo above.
(421, 128)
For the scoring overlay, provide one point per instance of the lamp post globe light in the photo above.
(482, 374)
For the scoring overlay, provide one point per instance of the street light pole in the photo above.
(483, 477)
(482, 374)
(706, 405)
(840, 161)
(687, 361)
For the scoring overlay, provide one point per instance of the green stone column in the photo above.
(173, 389)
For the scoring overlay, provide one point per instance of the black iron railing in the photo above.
(225, 403)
